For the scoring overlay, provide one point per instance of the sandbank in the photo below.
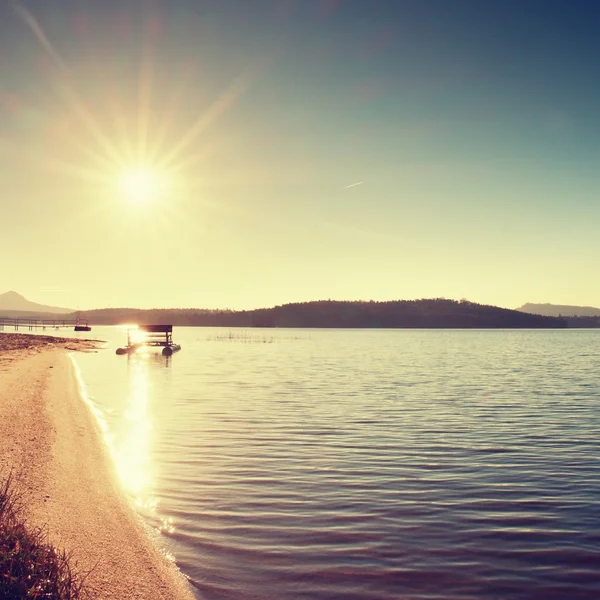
(53, 445)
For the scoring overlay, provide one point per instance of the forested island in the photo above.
(438, 313)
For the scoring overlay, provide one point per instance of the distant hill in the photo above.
(436, 313)
(560, 310)
(11, 301)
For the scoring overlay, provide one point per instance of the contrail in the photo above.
(354, 185)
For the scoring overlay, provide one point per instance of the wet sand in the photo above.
(53, 444)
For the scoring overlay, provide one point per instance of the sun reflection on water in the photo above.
(128, 431)
(167, 525)
(133, 444)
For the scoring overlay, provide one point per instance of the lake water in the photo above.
(364, 464)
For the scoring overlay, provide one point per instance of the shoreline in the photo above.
(52, 442)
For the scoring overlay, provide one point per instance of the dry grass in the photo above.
(30, 567)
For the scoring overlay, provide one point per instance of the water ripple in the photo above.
(375, 465)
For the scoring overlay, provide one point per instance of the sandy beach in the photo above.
(51, 441)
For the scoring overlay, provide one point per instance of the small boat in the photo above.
(82, 324)
(150, 336)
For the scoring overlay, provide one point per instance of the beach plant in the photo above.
(30, 567)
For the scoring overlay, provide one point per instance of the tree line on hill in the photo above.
(430, 313)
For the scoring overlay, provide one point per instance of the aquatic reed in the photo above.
(246, 337)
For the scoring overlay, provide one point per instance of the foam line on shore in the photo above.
(98, 414)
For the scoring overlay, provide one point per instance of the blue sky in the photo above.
(471, 127)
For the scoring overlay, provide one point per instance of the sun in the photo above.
(141, 185)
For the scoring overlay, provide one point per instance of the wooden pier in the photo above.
(145, 336)
(33, 324)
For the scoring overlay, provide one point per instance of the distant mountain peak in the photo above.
(13, 301)
(555, 310)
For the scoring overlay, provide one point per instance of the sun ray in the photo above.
(39, 33)
(126, 149)
(100, 159)
(66, 91)
(123, 136)
(220, 106)
(86, 174)
(145, 81)
(87, 118)
(168, 119)
(225, 101)
(191, 160)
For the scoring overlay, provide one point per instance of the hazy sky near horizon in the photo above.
(245, 153)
